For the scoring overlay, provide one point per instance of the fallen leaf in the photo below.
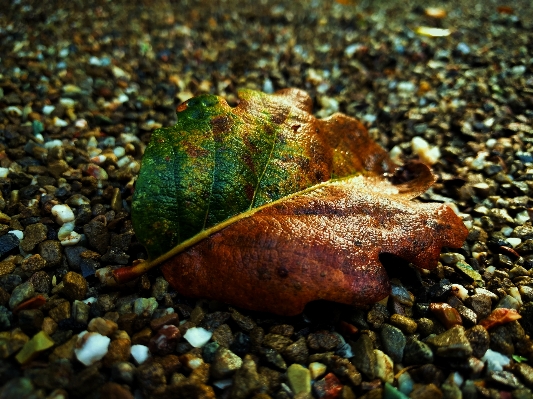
(264, 206)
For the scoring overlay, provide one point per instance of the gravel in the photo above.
(81, 90)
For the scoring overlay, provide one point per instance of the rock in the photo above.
(9, 243)
(140, 353)
(225, 363)
(33, 235)
(65, 351)
(159, 288)
(80, 311)
(245, 323)
(6, 267)
(317, 370)
(33, 264)
(393, 341)
(41, 282)
(299, 379)
(451, 343)
(102, 326)
(447, 315)
(151, 378)
(145, 306)
(165, 340)
(117, 352)
(40, 342)
(241, 344)
(122, 372)
(501, 341)
(246, 380)
(112, 390)
(377, 315)
(277, 342)
(97, 235)
(495, 361)
(272, 357)
(505, 378)
(18, 388)
(60, 312)
(197, 336)
(297, 352)
(364, 356)
(168, 319)
(142, 337)
(74, 286)
(404, 323)
(328, 387)
(20, 294)
(345, 370)
(390, 392)
(525, 371)
(417, 352)
(430, 391)
(479, 340)
(384, 367)
(91, 347)
(50, 251)
(30, 320)
(223, 335)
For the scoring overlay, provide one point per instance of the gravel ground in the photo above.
(82, 88)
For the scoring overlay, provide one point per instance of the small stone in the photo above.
(65, 351)
(30, 320)
(225, 363)
(328, 387)
(112, 390)
(41, 282)
(151, 378)
(317, 370)
(49, 326)
(197, 336)
(471, 274)
(417, 352)
(322, 341)
(505, 378)
(123, 372)
(159, 288)
(364, 357)
(377, 315)
(246, 380)
(299, 379)
(481, 304)
(8, 244)
(404, 323)
(18, 388)
(20, 294)
(447, 315)
(245, 323)
(223, 335)
(500, 316)
(393, 341)
(97, 235)
(390, 392)
(91, 347)
(277, 342)
(168, 319)
(6, 267)
(118, 352)
(273, 358)
(430, 391)
(495, 361)
(102, 326)
(297, 352)
(145, 306)
(525, 371)
(40, 342)
(451, 343)
(60, 312)
(384, 367)
(164, 341)
(479, 340)
(140, 353)
(74, 286)
(33, 264)
(502, 341)
(80, 311)
(241, 344)
(33, 235)
(50, 250)
(142, 337)
(508, 302)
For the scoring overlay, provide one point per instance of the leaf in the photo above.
(266, 207)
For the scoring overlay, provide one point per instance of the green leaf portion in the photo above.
(218, 161)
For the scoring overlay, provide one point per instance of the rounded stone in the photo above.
(74, 286)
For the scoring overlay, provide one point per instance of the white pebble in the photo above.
(514, 241)
(53, 143)
(139, 353)
(4, 172)
(60, 122)
(522, 217)
(89, 300)
(72, 239)
(427, 154)
(119, 152)
(19, 234)
(122, 98)
(506, 231)
(91, 347)
(67, 102)
(198, 336)
(124, 161)
(459, 291)
(63, 213)
(513, 291)
(221, 384)
(81, 124)
(48, 109)
(495, 360)
(396, 154)
(268, 87)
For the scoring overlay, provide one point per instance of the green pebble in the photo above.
(144, 306)
(299, 378)
(467, 270)
(40, 342)
(392, 393)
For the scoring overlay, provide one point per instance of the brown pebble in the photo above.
(74, 286)
(6, 267)
(447, 315)
(142, 337)
(4, 297)
(60, 312)
(430, 391)
(282, 329)
(171, 364)
(168, 319)
(404, 323)
(102, 326)
(33, 264)
(118, 351)
(49, 325)
(65, 351)
(112, 390)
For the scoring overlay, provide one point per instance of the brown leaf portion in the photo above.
(322, 244)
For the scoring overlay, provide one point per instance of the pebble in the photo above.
(33, 235)
(451, 343)
(481, 304)
(63, 214)
(446, 314)
(525, 371)
(8, 244)
(390, 392)
(145, 306)
(39, 343)
(404, 323)
(197, 336)
(91, 347)
(20, 294)
(321, 341)
(246, 380)
(118, 352)
(33, 263)
(6, 267)
(417, 352)
(165, 340)
(297, 352)
(74, 286)
(384, 367)
(299, 379)
(495, 361)
(225, 363)
(140, 353)
(479, 340)
(51, 252)
(102, 326)
(317, 369)
(393, 341)
(364, 357)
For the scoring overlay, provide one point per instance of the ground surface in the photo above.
(81, 89)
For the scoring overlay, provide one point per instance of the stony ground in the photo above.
(81, 88)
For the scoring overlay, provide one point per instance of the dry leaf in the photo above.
(264, 206)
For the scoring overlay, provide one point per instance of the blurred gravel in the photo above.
(81, 89)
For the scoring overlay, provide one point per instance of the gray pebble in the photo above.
(393, 341)
(23, 292)
(364, 356)
(50, 250)
(451, 343)
(417, 352)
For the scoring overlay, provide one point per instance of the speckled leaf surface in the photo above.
(266, 207)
